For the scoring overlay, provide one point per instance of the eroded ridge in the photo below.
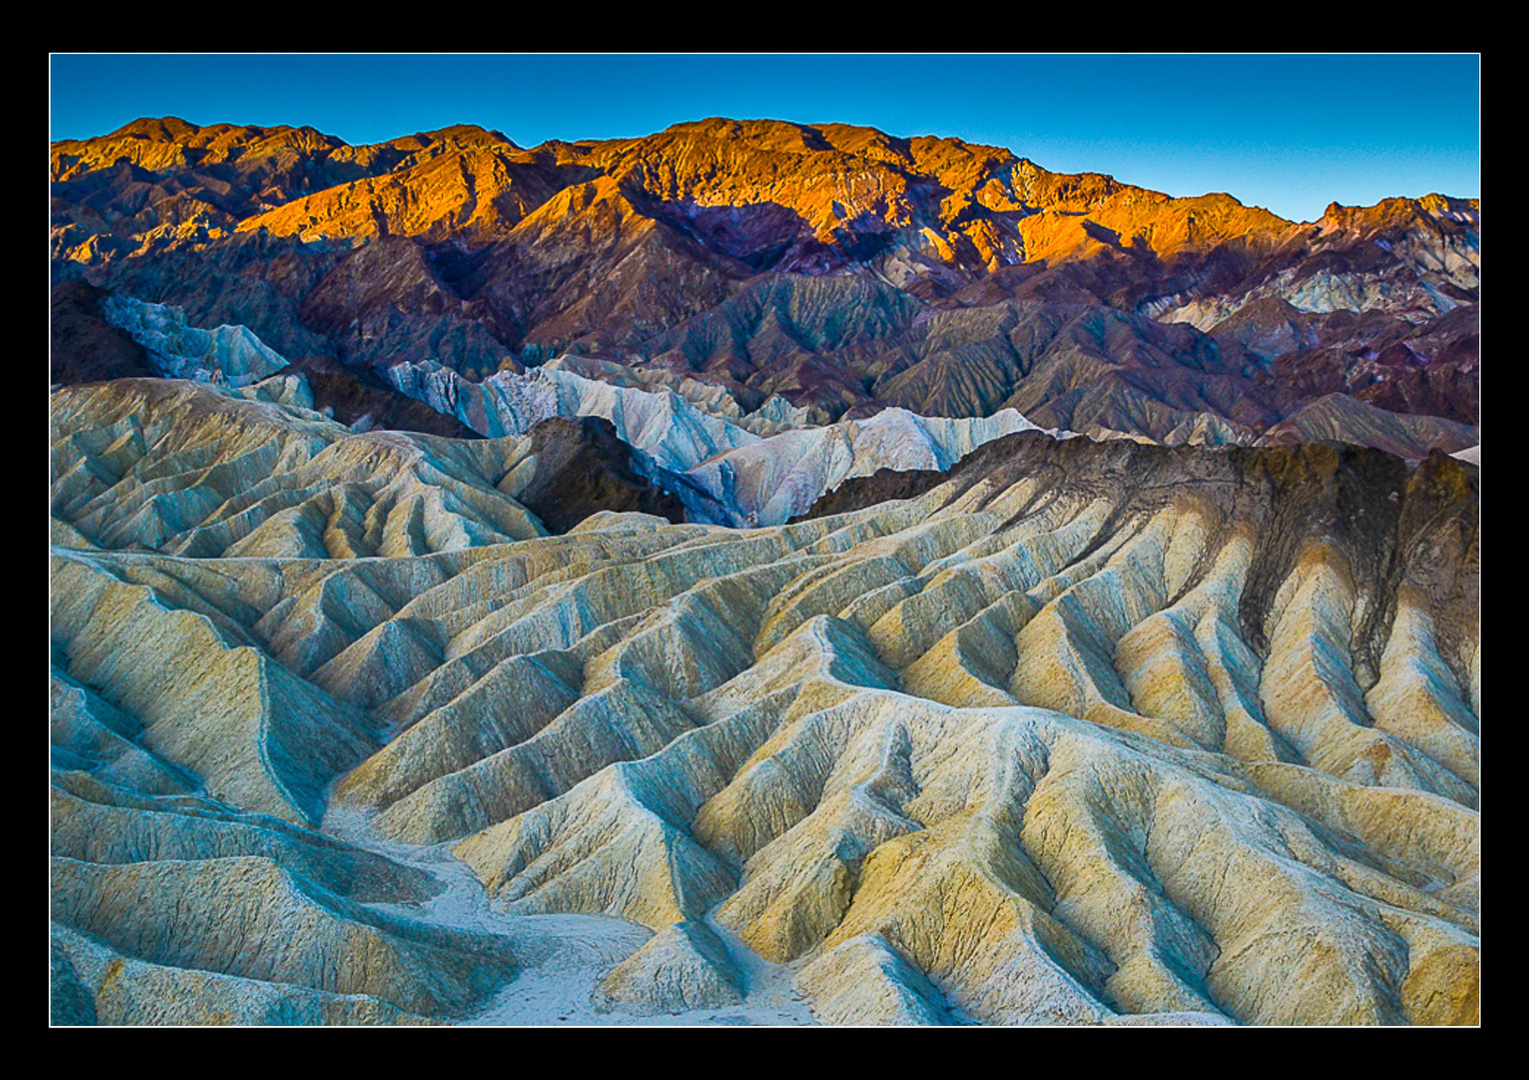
(1077, 733)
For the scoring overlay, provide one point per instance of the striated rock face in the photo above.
(684, 966)
(85, 345)
(722, 466)
(1073, 732)
(1340, 418)
(837, 267)
(171, 466)
(178, 467)
(231, 355)
(765, 483)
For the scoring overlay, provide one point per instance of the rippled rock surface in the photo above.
(1070, 733)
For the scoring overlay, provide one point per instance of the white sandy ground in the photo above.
(562, 958)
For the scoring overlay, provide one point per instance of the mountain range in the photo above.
(840, 268)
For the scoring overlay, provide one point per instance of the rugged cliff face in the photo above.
(839, 267)
(1073, 732)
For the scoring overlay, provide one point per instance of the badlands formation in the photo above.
(1074, 732)
(753, 574)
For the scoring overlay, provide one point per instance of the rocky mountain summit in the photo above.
(840, 268)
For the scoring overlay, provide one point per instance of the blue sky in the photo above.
(1288, 133)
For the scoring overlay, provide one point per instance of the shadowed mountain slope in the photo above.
(840, 267)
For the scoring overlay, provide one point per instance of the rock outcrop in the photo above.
(230, 355)
(707, 456)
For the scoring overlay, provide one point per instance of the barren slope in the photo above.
(843, 268)
(1082, 733)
